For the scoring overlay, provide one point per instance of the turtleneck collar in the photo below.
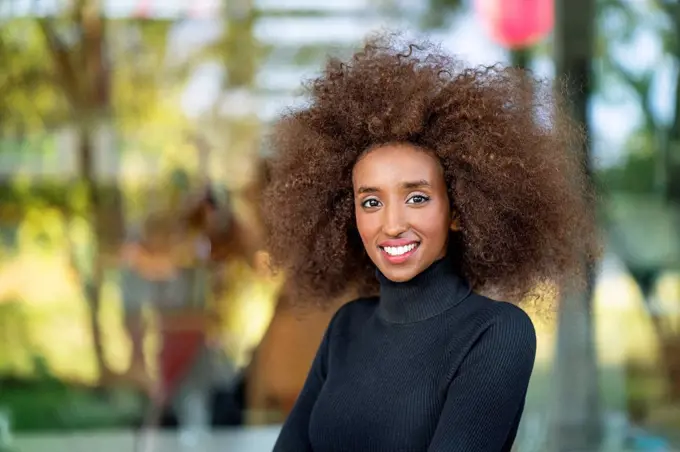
(435, 290)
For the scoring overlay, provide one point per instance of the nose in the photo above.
(394, 220)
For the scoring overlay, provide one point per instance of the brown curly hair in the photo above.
(513, 162)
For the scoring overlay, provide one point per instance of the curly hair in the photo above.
(513, 162)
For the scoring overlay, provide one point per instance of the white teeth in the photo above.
(399, 250)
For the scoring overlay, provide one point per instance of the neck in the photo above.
(437, 289)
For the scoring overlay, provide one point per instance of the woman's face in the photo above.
(402, 209)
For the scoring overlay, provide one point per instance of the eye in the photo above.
(417, 199)
(370, 203)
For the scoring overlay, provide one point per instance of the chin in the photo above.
(399, 275)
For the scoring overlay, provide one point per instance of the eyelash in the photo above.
(424, 198)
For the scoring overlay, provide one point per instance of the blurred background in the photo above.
(136, 311)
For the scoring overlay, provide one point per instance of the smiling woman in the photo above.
(421, 183)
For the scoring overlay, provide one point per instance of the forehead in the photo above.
(392, 164)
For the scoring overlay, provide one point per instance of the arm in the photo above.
(294, 436)
(487, 394)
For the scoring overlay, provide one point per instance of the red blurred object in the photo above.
(178, 353)
(516, 24)
(195, 9)
(143, 9)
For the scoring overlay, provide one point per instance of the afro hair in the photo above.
(513, 160)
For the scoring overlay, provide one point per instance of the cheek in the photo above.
(367, 225)
(434, 223)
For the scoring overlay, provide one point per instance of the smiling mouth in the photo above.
(400, 251)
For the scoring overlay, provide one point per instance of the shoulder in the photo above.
(509, 318)
(500, 315)
(507, 329)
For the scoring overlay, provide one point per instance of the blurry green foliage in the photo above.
(15, 346)
(636, 172)
(66, 196)
(46, 403)
(440, 12)
(30, 97)
(634, 175)
(652, 152)
(41, 89)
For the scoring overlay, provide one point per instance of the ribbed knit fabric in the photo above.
(429, 366)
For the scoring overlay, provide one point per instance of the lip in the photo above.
(395, 260)
(397, 242)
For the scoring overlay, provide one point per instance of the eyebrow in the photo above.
(416, 184)
(410, 185)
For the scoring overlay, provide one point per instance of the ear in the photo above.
(455, 222)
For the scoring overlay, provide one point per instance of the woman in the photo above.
(424, 184)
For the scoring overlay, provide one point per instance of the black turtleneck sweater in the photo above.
(428, 366)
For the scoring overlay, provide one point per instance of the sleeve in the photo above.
(486, 396)
(294, 436)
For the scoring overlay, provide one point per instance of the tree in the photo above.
(577, 422)
(69, 62)
(651, 170)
